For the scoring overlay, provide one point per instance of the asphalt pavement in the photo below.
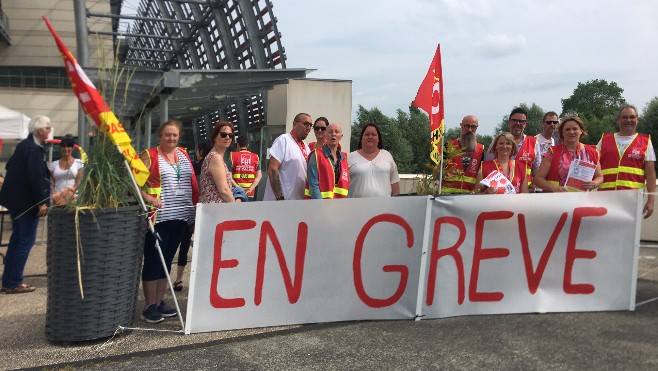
(622, 340)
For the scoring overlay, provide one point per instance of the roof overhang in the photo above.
(190, 93)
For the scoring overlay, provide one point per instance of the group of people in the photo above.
(623, 160)
(321, 170)
(295, 172)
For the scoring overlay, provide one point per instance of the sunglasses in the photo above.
(224, 135)
(552, 122)
(320, 128)
(306, 124)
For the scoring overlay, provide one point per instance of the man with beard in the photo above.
(628, 159)
(287, 166)
(526, 145)
(463, 169)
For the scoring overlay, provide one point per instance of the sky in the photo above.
(496, 54)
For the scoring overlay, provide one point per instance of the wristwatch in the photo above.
(280, 198)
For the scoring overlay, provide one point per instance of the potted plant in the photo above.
(94, 252)
(95, 242)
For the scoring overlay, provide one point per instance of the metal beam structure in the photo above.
(210, 36)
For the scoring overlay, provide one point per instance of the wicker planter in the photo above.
(112, 249)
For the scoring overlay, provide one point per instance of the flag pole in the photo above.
(441, 161)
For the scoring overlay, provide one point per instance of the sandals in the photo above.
(23, 288)
(178, 286)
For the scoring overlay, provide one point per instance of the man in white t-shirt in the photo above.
(628, 158)
(544, 139)
(287, 165)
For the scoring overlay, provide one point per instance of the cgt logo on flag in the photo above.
(430, 99)
(95, 106)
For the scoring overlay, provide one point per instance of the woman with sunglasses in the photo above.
(320, 130)
(66, 173)
(215, 176)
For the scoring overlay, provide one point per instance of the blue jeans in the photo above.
(23, 236)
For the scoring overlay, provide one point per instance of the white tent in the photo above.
(13, 124)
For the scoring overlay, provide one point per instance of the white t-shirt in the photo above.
(372, 178)
(292, 172)
(624, 141)
(541, 148)
(65, 178)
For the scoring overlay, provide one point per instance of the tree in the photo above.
(392, 135)
(535, 114)
(416, 130)
(595, 98)
(649, 121)
(596, 127)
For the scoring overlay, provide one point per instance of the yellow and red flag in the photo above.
(97, 109)
(430, 99)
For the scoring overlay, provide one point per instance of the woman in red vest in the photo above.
(172, 189)
(554, 169)
(514, 171)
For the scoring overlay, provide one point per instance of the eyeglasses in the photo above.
(631, 117)
(518, 121)
(470, 127)
(320, 128)
(308, 124)
(224, 135)
(552, 122)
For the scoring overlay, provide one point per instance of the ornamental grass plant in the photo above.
(428, 183)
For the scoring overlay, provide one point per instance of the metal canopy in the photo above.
(190, 93)
(208, 58)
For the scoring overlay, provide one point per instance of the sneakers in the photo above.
(165, 310)
(151, 314)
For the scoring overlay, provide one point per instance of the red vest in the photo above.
(465, 182)
(553, 176)
(153, 186)
(527, 155)
(326, 177)
(625, 171)
(245, 167)
(517, 172)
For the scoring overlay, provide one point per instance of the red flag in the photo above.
(94, 105)
(430, 99)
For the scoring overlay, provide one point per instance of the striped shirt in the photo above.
(176, 183)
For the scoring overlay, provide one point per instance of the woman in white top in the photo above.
(373, 172)
(66, 173)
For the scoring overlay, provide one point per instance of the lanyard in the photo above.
(301, 146)
(510, 169)
(175, 165)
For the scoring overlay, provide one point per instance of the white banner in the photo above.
(548, 252)
(279, 263)
(273, 263)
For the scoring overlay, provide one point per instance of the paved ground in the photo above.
(568, 341)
